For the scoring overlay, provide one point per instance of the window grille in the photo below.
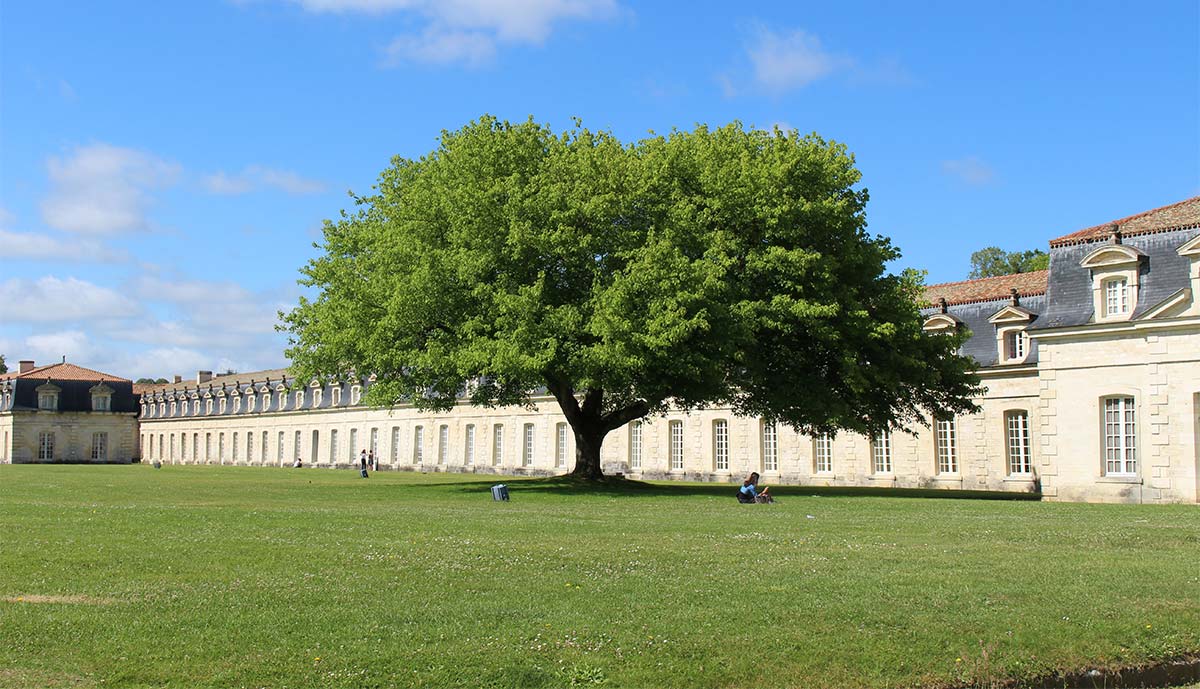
(721, 445)
(560, 445)
(635, 445)
(443, 443)
(1120, 437)
(498, 444)
(469, 442)
(676, 428)
(946, 431)
(770, 447)
(881, 452)
(527, 446)
(1020, 460)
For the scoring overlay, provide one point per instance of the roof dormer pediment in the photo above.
(1190, 247)
(101, 389)
(940, 321)
(1012, 314)
(1112, 255)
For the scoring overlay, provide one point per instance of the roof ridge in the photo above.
(1173, 220)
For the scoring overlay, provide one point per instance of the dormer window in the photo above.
(249, 400)
(1116, 297)
(48, 396)
(208, 406)
(337, 396)
(266, 401)
(1012, 340)
(1115, 272)
(101, 397)
(222, 406)
(237, 404)
(355, 394)
(162, 408)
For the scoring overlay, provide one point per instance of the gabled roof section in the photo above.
(1176, 216)
(1011, 314)
(65, 371)
(988, 289)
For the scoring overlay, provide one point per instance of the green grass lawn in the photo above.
(235, 577)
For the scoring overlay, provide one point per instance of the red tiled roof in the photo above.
(1185, 213)
(64, 371)
(988, 289)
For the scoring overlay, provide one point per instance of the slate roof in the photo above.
(64, 371)
(988, 289)
(275, 375)
(1176, 216)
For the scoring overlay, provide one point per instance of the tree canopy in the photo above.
(712, 267)
(992, 261)
(3, 365)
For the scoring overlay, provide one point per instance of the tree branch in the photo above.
(615, 419)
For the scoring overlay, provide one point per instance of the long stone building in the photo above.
(1092, 370)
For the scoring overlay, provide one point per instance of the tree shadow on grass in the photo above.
(611, 486)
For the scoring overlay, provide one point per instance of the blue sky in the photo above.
(165, 167)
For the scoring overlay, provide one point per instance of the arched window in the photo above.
(676, 447)
(635, 445)
(770, 447)
(1018, 446)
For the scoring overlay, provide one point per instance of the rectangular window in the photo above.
(196, 407)
(208, 447)
(297, 441)
(1014, 344)
(635, 445)
(770, 447)
(279, 447)
(498, 444)
(222, 405)
(676, 451)
(249, 446)
(336, 394)
(299, 399)
(162, 446)
(443, 443)
(333, 446)
(249, 401)
(266, 401)
(721, 445)
(183, 455)
(264, 448)
(48, 401)
(1120, 453)
(881, 453)
(374, 448)
(946, 432)
(527, 446)
(237, 404)
(1116, 297)
(220, 447)
(171, 454)
(282, 402)
(469, 442)
(208, 406)
(353, 445)
(100, 447)
(101, 403)
(560, 445)
(418, 455)
(150, 453)
(313, 451)
(236, 456)
(1020, 460)
(196, 448)
(395, 444)
(46, 446)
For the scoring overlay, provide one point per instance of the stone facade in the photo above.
(1091, 369)
(66, 413)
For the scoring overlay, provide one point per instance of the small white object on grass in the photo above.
(809, 516)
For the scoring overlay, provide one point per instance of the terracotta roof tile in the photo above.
(64, 371)
(1185, 213)
(275, 375)
(988, 289)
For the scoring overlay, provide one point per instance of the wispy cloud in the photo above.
(101, 189)
(51, 299)
(38, 246)
(784, 60)
(468, 32)
(970, 170)
(256, 177)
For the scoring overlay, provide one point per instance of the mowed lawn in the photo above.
(243, 577)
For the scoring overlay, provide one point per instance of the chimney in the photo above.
(178, 379)
(203, 376)
(26, 366)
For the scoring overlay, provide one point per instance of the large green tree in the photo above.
(992, 261)
(712, 267)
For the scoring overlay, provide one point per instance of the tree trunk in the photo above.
(587, 455)
(591, 424)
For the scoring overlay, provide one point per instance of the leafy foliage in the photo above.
(993, 261)
(719, 266)
(3, 365)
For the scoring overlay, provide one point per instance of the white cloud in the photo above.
(50, 299)
(786, 61)
(467, 31)
(256, 177)
(792, 59)
(970, 170)
(42, 247)
(441, 47)
(102, 189)
(50, 347)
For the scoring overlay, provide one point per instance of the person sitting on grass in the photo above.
(749, 492)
